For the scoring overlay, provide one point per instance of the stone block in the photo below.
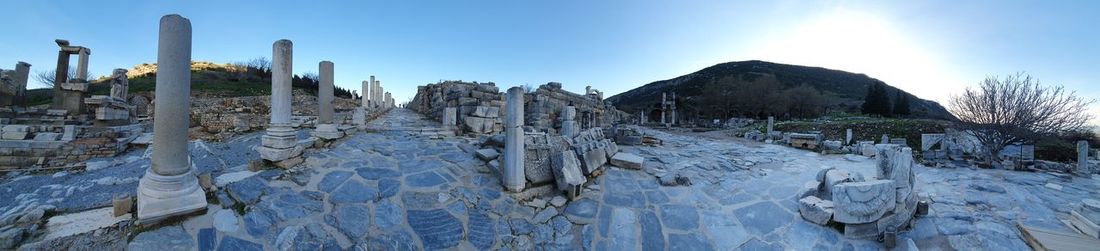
(861, 231)
(479, 125)
(486, 112)
(592, 160)
(863, 202)
(810, 188)
(14, 135)
(815, 210)
(627, 160)
(894, 162)
(122, 205)
(487, 154)
(567, 173)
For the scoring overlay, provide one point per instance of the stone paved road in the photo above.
(394, 187)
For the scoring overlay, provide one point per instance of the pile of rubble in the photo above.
(471, 106)
(565, 162)
(865, 208)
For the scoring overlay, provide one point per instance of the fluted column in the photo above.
(169, 186)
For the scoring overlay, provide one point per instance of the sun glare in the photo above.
(862, 42)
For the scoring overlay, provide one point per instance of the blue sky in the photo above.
(930, 48)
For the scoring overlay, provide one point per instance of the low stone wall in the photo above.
(222, 118)
(49, 146)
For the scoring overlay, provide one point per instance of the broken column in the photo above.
(18, 91)
(388, 100)
(513, 173)
(280, 141)
(359, 116)
(1083, 157)
(366, 94)
(325, 128)
(672, 106)
(568, 126)
(848, 136)
(169, 186)
(69, 93)
(120, 84)
(664, 105)
(113, 109)
(771, 125)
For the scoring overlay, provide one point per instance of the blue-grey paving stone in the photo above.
(582, 209)
(309, 237)
(561, 225)
(588, 234)
(467, 194)
(624, 198)
(653, 237)
(414, 166)
(286, 204)
(223, 198)
(351, 219)
(755, 244)
(763, 217)
(446, 176)
(353, 164)
(425, 179)
(269, 174)
(692, 241)
(388, 188)
(679, 217)
(457, 208)
(248, 190)
(543, 234)
(456, 157)
(257, 222)
(484, 180)
(382, 162)
(656, 197)
(371, 173)
(354, 191)
(333, 180)
(489, 193)
(482, 231)
(163, 239)
(521, 226)
(387, 214)
(398, 240)
(437, 228)
(545, 215)
(421, 200)
(648, 184)
(230, 243)
(207, 239)
(605, 220)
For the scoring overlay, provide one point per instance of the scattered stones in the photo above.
(816, 210)
(487, 154)
(674, 180)
(567, 173)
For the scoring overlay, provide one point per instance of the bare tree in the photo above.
(1018, 108)
(47, 77)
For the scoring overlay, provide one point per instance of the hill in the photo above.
(759, 88)
(207, 80)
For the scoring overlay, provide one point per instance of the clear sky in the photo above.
(930, 48)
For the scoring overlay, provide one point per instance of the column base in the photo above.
(279, 154)
(160, 197)
(327, 132)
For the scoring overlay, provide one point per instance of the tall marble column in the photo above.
(1083, 157)
(568, 126)
(22, 73)
(280, 139)
(514, 173)
(366, 94)
(325, 128)
(373, 93)
(664, 105)
(169, 186)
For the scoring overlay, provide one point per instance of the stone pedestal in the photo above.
(450, 117)
(327, 132)
(513, 173)
(359, 117)
(169, 186)
(280, 139)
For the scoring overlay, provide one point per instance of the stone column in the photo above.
(325, 94)
(280, 139)
(82, 64)
(22, 73)
(1083, 157)
(325, 128)
(771, 125)
(389, 100)
(61, 75)
(568, 126)
(673, 105)
(514, 174)
(664, 105)
(169, 186)
(848, 136)
(366, 97)
(372, 98)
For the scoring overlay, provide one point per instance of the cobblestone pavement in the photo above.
(398, 186)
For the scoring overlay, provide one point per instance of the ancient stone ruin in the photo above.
(864, 207)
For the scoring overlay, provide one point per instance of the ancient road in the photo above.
(398, 187)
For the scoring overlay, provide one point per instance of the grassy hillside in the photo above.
(759, 89)
(207, 80)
